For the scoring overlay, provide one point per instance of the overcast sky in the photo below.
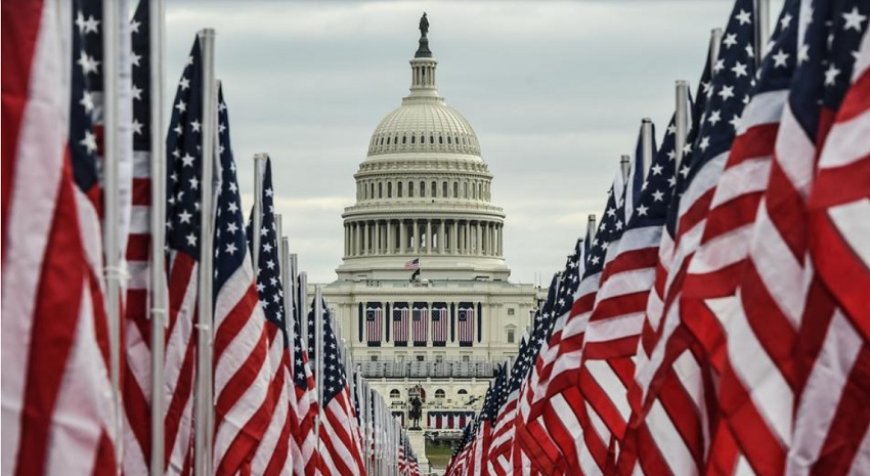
(554, 90)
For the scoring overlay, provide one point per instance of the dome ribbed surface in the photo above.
(424, 125)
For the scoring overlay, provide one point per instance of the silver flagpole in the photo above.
(681, 119)
(204, 410)
(647, 144)
(715, 44)
(762, 30)
(156, 13)
(288, 287)
(625, 167)
(318, 358)
(116, 55)
(257, 219)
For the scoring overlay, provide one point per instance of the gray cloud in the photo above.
(555, 91)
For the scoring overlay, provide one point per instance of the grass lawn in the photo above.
(438, 455)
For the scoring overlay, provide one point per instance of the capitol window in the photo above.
(410, 189)
(395, 393)
(380, 190)
(389, 189)
(400, 190)
(439, 393)
(413, 138)
(511, 311)
(511, 336)
(462, 391)
(404, 139)
(444, 189)
(455, 189)
(434, 189)
(422, 189)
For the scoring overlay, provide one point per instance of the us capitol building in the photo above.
(424, 193)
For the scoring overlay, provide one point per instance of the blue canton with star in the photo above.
(269, 284)
(184, 156)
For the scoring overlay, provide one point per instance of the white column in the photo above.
(390, 237)
(403, 239)
(377, 238)
(416, 236)
(479, 239)
(429, 239)
(441, 237)
(467, 236)
(365, 240)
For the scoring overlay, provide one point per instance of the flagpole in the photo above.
(288, 287)
(681, 119)
(204, 410)
(318, 358)
(625, 167)
(156, 13)
(762, 30)
(257, 219)
(116, 52)
(715, 44)
(646, 134)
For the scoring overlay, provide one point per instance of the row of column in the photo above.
(423, 236)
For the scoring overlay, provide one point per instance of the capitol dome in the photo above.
(423, 191)
(424, 123)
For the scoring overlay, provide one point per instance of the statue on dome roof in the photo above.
(424, 25)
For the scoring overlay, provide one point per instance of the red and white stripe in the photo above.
(244, 405)
(420, 326)
(466, 327)
(440, 326)
(341, 452)
(830, 433)
(272, 453)
(374, 327)
(303, 411)
(400, 326)
(57, 396)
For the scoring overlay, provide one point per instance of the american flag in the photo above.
(675, 361)
(440, 324)
(532, 436)
(465, 319)
(838, 221)
(574, 398)
(420, 323)
(55, 369)
(242, 371)
(137, 330)
(374, 323)
(272, 454)
(620, 302)
(802, 314)
(413, 264)
(183, 235)
(709, 291)
(340, 449)
(401, 318)
(484, 425)
(303, 398)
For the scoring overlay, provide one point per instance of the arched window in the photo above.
(389, 189)
(431, 139)
(444, 189)
(380, 190)
(448, 140)
(388, 141)
(413, 138)
(462, 391)
(410, 189)
(422, 139)
(455, 189)
(440, 139)
(473, 191)
(395, 393)
(465, 189)
(404, 139)
(422, 189)
(400, 190)
(439, 393)
(434, 189)
(480, 191)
